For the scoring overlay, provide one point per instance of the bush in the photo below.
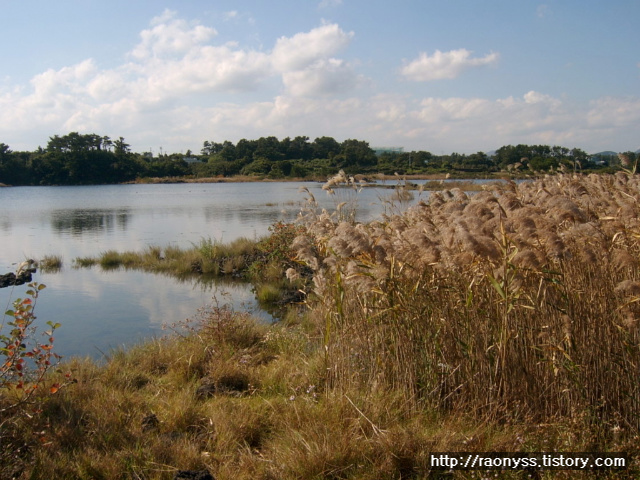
(276, 254)
(24, 384)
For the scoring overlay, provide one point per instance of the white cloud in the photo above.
(477, 123)
(175, 90)
(389, 108)
(170, 36)
(444, 65)
(324, 77)
(452, 109)
(532, 97)
(176, 60)
(209, 68)
(304, 49)
(612, 112)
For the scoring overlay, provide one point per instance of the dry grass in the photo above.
(518, 303)
(140, 414)
(503, 321)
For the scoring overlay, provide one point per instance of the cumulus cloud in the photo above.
(389, 108)
(612, 112)
(444, 65)
(307, 66)
(304, 49)
(174, 63)
(179, 84)
(170, 36)
(324, 77)
(482, 123)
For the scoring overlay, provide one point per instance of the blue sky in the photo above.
(442, 76)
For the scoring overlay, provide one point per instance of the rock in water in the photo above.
(10, 279)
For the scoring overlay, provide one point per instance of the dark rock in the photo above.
(10, 279)
(7, 280)
(193, 475)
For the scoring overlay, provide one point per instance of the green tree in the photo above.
(477, 162)
(4, 152)
(355, 153)
(245, 149)
(121, 147)
(325, 148)
(299, 148)
(260, 166)
(211, 148)
(269, 148)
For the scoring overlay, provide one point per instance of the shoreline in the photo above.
(318, 179)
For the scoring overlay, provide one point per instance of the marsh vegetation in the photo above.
(506, 320)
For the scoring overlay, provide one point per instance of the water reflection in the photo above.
(78, 222)
(100, 310)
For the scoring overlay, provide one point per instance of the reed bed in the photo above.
(501, 321)
(518, 303)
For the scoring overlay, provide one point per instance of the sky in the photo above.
(441, 76)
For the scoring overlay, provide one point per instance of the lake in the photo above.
(101, 310)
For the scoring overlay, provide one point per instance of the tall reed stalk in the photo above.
(519, 302)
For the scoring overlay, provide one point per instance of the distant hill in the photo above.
(607, 153)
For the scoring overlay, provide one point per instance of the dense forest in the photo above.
(85, 159)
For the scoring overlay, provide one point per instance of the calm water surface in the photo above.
(102, 310)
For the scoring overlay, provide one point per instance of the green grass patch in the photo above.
(50, 263)
(84, 262)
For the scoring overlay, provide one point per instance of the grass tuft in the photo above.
(50, 263)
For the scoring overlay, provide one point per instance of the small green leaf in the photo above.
(469, 298)
(11, 313)
(498, 287)
(42, 286)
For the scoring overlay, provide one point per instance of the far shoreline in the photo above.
(364, 178)
(320, 179)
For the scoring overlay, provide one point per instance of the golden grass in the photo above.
(139, 415)
(511, 303)
(502, 321)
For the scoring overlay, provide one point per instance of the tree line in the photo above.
(86, 159)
